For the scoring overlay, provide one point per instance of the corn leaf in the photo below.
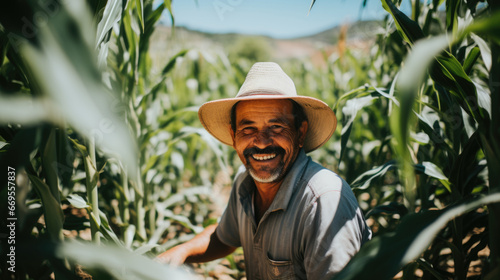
(485, 50)
(409, 81)
(487, 26)
(140, 12)
(79, 94)
(119, 262)
(168, 5)
(471, 59)
(382, 257)
(452, 7)
(432, 170)
(34, 110)
(463, 167)
(448, 72)
(111, 15)
(364, 180)
(171, 63)
(390, 209)
(49, 158)
(349, 111)
(3, 144)
(77, 201)
(407, 28)
(312, 4)
(54, 217)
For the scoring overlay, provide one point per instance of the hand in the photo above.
(175, 256)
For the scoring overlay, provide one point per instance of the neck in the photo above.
(264, 196)
(267, 191)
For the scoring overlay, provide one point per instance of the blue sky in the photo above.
(276, 18)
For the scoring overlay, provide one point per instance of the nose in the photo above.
(262, 139)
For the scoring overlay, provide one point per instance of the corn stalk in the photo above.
(491, 142)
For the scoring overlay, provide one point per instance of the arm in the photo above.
(204, 247)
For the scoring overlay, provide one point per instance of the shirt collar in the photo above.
(287, 188)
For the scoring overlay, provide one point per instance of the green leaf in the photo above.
(140, 12)
(54, 217)
(119, 262)
(3, 144)
(364, 180)
(349, 111)
(49, 157)
(168, 5)
(78, 94)
(106, 230)
(465, 163)
(485, 50)
(34, 110)
(128, 236)
(488, 26)
(171, 63)
(145, 248)
(103, 226)
(77, 201)
(416, 64)
(484, 99)
(312, 4)
(385, 255)
(112, 14)
(407, 28)
(350, 95)
(471, 59)
(92, 176)
(410, 79)
(452, 7)
(391, 208)
(448, 72)
(151, 21)
(433, 170)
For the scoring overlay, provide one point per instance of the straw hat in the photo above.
(266, 80)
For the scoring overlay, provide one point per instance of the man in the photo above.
(293, 218)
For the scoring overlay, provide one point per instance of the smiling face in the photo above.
(266, 139)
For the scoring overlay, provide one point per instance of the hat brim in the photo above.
(215, 116)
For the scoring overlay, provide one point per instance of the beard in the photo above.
(274, 173)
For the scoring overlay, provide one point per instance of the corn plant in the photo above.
(440, 107)
(95, 124)
(63, 123)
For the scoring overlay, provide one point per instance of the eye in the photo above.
(276, 128)
(247, 130)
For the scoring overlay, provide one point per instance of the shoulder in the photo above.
(326, 191)
(322, 181)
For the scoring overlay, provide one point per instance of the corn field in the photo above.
(104, 164)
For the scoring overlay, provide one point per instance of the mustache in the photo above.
(267, 150)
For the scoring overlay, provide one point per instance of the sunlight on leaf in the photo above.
(119, 262)
(77, 201)
(385, 255)
(81, 98)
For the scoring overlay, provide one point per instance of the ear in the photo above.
(302, 133)
(232, 133)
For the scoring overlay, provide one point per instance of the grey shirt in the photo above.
(311, 230)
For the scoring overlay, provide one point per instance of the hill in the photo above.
(357, 35)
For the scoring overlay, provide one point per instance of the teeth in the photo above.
(271, 156)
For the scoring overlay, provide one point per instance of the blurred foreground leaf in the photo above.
(385, 255)
(118, 262)
(68, 78)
